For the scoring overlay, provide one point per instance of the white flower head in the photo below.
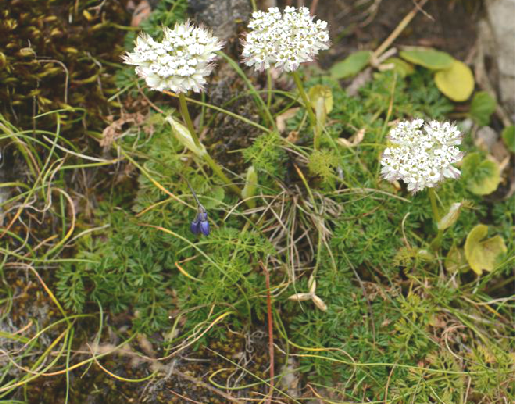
(180, 62)
(422, 154)
(284, 40)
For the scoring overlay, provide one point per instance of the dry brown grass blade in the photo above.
(398, 30)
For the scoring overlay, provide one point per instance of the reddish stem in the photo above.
(313, 9)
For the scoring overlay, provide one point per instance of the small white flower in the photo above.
(284, 40)
(180, 62)
(422, 155)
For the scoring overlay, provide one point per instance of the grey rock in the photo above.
(221, 16)
(501, 19)
(486, 138)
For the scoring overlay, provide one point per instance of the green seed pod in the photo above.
(251, 183)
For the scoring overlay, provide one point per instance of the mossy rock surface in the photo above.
(59, 55)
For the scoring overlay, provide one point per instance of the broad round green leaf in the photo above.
(429, 58)
(400, 66)
(481, 176)
(508, 135)
(350, 66)
(456, 82)
(483, 255)
(482, 107)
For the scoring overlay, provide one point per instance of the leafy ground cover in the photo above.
(327, 283)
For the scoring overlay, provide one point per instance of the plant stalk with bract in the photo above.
(423, 155)
(284, 41)
(180, 63)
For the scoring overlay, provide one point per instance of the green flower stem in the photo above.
(218, 171)
(265, 113)
(223, 111)
(432, 198)
(435, 244)
(207, 158)
(307, 104)
(187, 118)
(305, 98)
(269, 83)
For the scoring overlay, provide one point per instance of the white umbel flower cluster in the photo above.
(284, 40)
(422, 154)
(180, 62)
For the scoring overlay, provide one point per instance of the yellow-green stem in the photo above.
(269, 82)
(435, 244)
(263, 110)
(307, 104)
(432, 198)
(207, 158)
(187, 118)
(218, 171)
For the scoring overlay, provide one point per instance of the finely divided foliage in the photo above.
(328, 242)
(284, 41)
(180, 62)
(422, 155)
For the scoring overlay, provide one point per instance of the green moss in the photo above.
(59, 55)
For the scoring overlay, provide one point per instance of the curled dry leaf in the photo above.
(146, 345)
(293, 137)
(300, 297)
(319, 303)
(312, 284)
(114, 130)
(280, 120)
(356, 139)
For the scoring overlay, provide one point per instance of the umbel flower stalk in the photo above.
(207, 158)
(179, 63)
(285, 41)
(423, 155)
